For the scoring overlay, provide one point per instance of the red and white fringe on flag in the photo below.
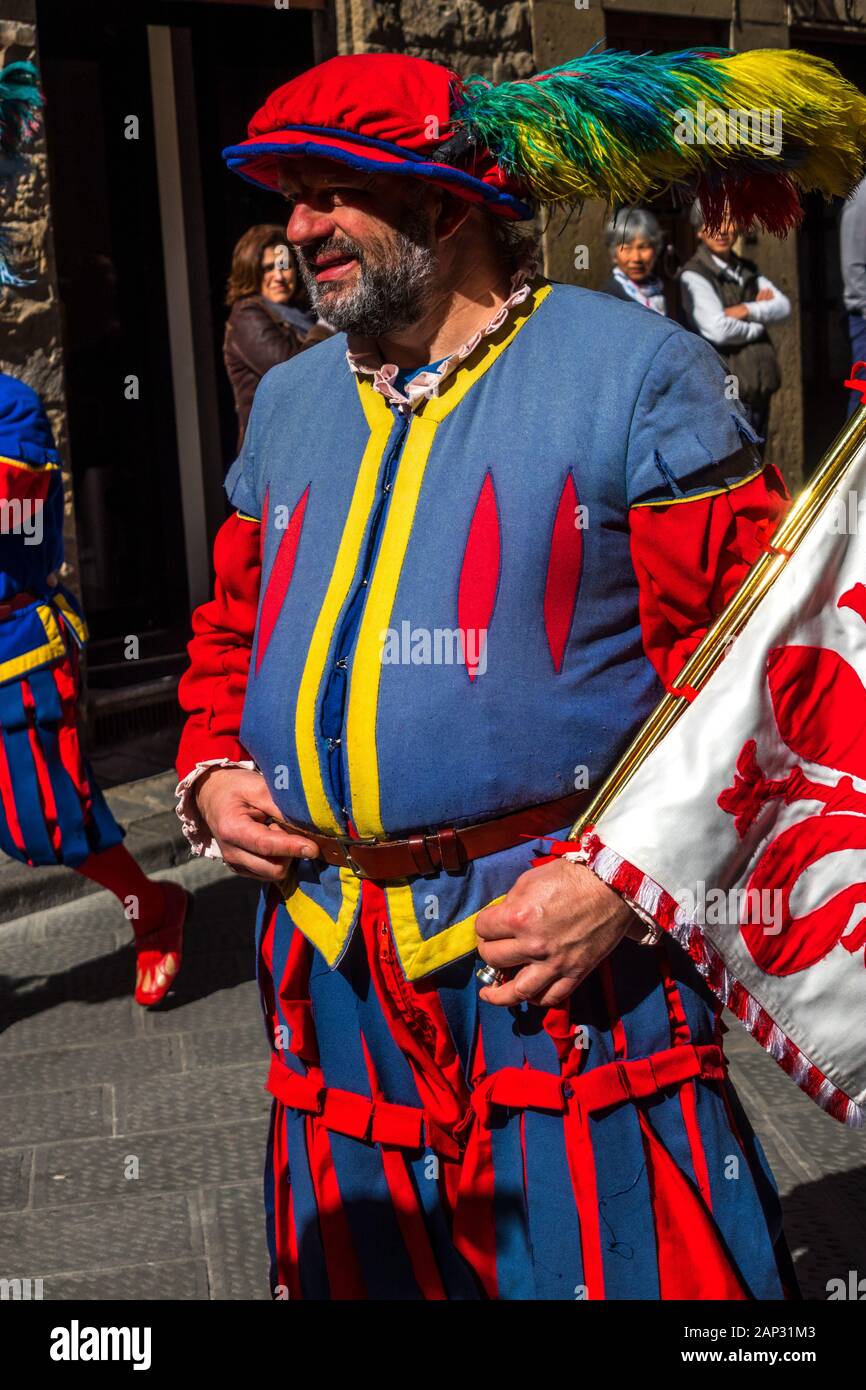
(670, 916)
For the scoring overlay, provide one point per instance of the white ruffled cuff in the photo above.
(654, 932)
(199, 838)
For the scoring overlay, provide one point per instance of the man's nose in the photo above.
(308, 224)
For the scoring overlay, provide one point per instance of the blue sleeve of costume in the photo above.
(687, 435)
(243, 480)
(25, 430)
(31, 541)
(240, 481)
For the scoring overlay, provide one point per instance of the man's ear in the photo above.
(453, 212)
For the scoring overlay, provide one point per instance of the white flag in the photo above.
(744, 831)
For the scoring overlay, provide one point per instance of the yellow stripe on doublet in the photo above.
(361, 751)
(52, 649)
(699, 496)
(417, 956)
(322, 814)
(75, 621)
(30, 467)
(318, 926)
(367, 663)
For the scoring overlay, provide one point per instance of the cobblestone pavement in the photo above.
(819, 1165)
(91, 1086)
(89, 1081)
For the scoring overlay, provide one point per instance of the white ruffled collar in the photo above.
(365, 360)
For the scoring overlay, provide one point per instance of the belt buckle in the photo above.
(348, 841)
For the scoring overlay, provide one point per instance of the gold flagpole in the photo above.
(802, 514)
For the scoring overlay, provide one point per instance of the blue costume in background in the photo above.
(52, 810)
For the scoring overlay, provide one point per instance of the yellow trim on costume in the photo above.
(31, 467)
(361, 751)
(417, 956)
(53, 648)
(455, 387)
(380, 421)
(699, 496)
(75, 621)
(242, 516)
(317, 925)
(328, 935)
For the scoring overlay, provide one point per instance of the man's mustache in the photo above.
(332, 246)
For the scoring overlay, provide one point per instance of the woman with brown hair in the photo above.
(268, 322)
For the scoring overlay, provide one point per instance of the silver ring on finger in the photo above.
(490, 976)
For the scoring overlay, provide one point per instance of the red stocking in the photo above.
(116, 870)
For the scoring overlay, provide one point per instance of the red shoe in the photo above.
(159, 951)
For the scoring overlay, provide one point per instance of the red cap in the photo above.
(379, 111)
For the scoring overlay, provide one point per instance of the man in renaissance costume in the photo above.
(475, 536)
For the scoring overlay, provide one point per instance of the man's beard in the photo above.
(392, 288)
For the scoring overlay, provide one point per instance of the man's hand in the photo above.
(738, 311)
(765, 294)
(558, 923)
(236, 806)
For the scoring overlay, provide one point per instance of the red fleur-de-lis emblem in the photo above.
(819, 705)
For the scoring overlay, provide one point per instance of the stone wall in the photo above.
(30, 324)
(493, 37)
(500, 38)
(574, 245)
(504, 40)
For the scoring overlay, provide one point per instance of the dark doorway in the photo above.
(107, 236)
(230, 86)
(108, 240)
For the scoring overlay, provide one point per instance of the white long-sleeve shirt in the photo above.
(706, 311)
(852, 245)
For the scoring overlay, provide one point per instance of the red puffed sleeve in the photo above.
(212, 690)
(691, 555)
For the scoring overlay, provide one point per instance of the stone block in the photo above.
(79, 1112)
(15, 1171)
(177, 1160)
(212, 1096)
(176, 1280)
(98, 1063)
(35, 1244)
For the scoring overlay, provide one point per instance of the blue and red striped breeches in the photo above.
(51, 810)
(426, 1145)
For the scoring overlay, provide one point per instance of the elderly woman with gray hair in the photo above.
(635, 238)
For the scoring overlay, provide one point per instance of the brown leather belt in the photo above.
(447, 849)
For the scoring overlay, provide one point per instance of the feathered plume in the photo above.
(743, 132)
(20, 106)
